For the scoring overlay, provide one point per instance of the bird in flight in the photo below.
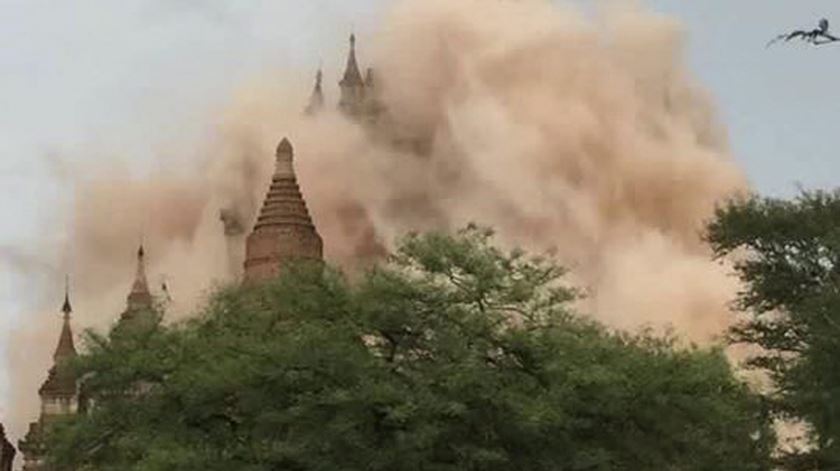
(817, 36)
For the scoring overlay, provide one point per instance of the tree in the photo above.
(453, 355)
(787, 254)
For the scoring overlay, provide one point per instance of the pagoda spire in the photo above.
(284, 231)
(316, 101)
(140, 296)
(352, 84)
(66, 347)
(66, 308)
(59, 393)
(352, 74)
(61, 382)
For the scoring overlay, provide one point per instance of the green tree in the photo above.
(787, 253)
(453, 355)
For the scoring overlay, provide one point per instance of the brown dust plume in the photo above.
(582, 136)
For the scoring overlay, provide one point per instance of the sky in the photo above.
(97, 78)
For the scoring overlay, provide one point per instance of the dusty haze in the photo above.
(582, 136)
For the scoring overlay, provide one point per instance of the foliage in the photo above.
(787, 254)
(453, 355)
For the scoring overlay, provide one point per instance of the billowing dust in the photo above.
(583, 136)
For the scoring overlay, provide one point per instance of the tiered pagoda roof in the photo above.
(284, 229)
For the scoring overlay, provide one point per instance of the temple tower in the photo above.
(352, 85)
(316, 101)
(372, 106)
(59, 394)
(139, 303)
(284, 230)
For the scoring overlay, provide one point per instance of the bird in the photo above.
(817, 37)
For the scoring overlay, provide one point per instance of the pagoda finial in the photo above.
(285, 147)
(65, 347)
(284, 157)
(316, 101)
(140, 282)
(67, 309)
(140, 296)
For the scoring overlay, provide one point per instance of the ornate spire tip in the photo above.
(66, 308)
(285, 148)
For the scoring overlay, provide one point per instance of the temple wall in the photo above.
(269, 248)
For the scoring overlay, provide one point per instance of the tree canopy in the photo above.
(787, 253)
(452, 355)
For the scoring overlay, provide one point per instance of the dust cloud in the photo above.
(581, 135)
